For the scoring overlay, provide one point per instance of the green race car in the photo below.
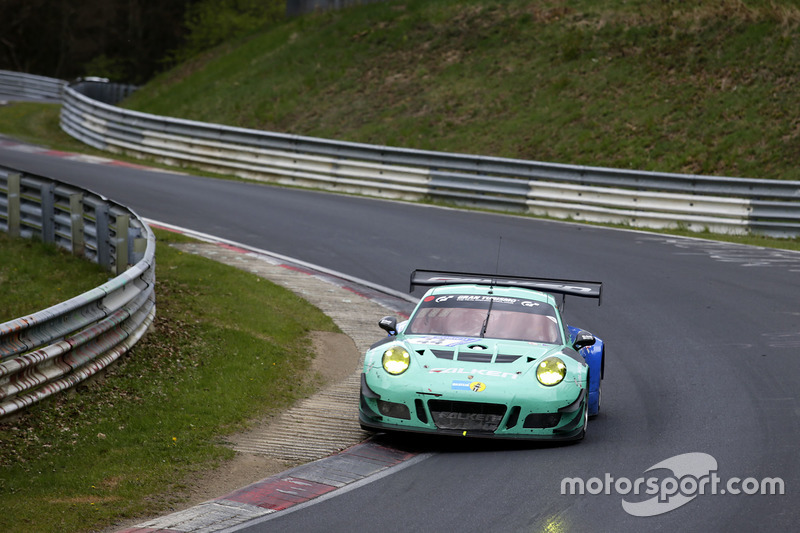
(485, 356)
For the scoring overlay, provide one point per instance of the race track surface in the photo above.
(702, 343)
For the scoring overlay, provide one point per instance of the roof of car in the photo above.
(509, 292)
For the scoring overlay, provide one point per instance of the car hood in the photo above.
(445, 353)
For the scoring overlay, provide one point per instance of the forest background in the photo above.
(127, 41)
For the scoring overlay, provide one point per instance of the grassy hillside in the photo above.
(131, 443)
(705, 87)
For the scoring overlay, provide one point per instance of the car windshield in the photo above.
(496, 317)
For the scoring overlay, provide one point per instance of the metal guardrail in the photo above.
(301, 7)
(101, 90)
(580, 193)
(30, 86)
(54, 349)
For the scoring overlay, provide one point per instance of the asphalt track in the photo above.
(702, 344)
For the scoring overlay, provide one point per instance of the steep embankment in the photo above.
(705, 87)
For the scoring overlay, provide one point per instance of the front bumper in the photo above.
(553, 420)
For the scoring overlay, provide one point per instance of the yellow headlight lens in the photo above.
(551, 371)
(396, 360)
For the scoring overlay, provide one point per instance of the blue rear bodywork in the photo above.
(594, 358)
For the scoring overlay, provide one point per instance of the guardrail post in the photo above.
(48, 212)
(103, 245)
(76, 225)
(139, 246)
(14, 179)
(121, 243)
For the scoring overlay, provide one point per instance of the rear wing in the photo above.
(564, 287)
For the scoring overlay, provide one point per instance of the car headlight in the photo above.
(551, 371)
(396, 360)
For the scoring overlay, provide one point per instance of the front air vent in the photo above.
(513, 417)
(541, 420)
(466, 416)
(475, 357)
(443, 354)
(486, 357)
(419, 407)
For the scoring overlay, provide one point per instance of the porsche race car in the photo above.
(484, 355)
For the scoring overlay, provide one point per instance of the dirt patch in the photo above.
(336, 357)
(244, 469)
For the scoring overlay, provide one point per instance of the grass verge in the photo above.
(686, 87)
(226, 346)
(30, 283)
(39, 123)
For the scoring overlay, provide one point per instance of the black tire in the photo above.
(582, 434)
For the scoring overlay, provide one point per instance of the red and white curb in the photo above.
(361, 287)
(283, 491)
(72, 156)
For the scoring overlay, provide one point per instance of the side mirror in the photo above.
(389, 325)
(583, 339)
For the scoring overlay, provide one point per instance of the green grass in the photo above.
(226, 347)
(701, 88)
(39, 124)
(30, 283)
